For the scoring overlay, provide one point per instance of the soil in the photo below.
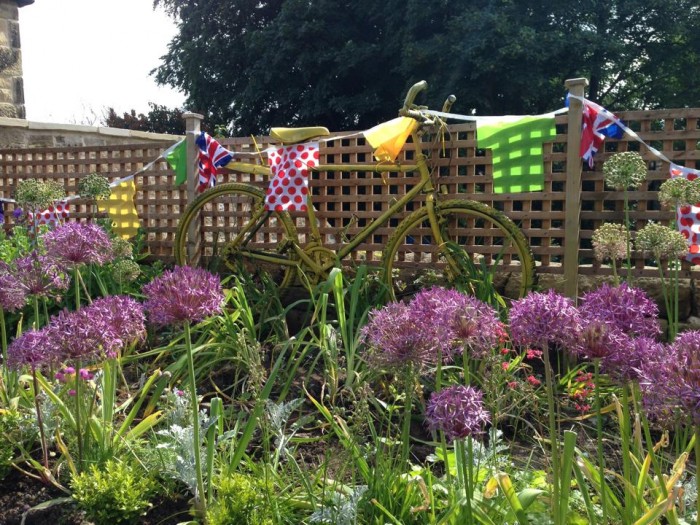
(19, 495)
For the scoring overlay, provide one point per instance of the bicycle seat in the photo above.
(294, 135)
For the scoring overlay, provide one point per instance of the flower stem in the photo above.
(78, 429)
(599, 440)
(464, 462)
(406, 430)
(76, 286)
(40, 422)
(200, 500)
(36, 312)
(697, 470)
(3, 335)
(628, 238)
(553, 434)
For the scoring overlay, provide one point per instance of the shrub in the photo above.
(117, 493)
(240, 500)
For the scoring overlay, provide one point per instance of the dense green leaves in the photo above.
(252, 64)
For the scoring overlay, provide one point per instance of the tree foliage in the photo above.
(252, 64)
(160, 119)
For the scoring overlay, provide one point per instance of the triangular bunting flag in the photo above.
(176, 156)
(388, 138)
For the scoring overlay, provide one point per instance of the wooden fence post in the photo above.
(193, 123)
(572, 219)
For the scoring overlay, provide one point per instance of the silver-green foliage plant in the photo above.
(116, 493)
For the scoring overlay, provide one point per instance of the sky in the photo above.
(82, 56)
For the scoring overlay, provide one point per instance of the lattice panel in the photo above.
(346, 201)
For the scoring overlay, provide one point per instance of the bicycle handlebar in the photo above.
(411, 95)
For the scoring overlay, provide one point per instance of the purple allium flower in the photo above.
(437, 323)
(627, 308)
(82, 335)
(456, 321)
(12, 294)
(183, 294)
(124, 316)
(33, 348)
(40, 276)
(625, 364)
(548, 318)
(17, 212)
(670, 380)
(599, 340)
(458, 411)
(396, 338)
(75, 243)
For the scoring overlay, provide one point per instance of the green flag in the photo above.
(516, 142)
(176, 155)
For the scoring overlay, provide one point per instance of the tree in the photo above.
(160, 119)
(252, 64)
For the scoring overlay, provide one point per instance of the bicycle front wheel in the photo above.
(481, 248)
(226, 230)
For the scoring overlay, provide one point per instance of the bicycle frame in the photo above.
(425, 185)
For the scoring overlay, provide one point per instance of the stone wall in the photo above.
(11, 85)
(20, 133)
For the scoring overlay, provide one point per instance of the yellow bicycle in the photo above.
(458, 238)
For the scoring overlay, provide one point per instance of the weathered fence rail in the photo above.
(346, 201)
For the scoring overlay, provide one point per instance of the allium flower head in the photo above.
(34, 194)
(624, 368)
(124, 316)
(610, 242)
(125, 271)
(456, 321)
(12, 293)
(94, 186)
(547, 318)
(670, 382)
(661, 242)
(625, 170)
(599, 340)
(183, 294)
(41, 276)
(81, 336)
(458, 411)
(679, 191)
(75, 243)
(33, 349)
(626, 308)
(122, 248)
(397, 340)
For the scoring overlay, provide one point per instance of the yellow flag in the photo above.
(388, 138)
(120, 208)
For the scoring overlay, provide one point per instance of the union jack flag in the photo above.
(212, 155)
(598, 123)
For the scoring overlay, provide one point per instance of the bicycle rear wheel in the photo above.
(487, 247)
(226, 230)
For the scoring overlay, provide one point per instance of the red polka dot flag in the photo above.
(290, 166)
(688, 217)
(52, 216)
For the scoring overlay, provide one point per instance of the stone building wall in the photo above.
(11, 84)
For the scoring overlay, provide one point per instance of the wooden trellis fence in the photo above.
(346, 201)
